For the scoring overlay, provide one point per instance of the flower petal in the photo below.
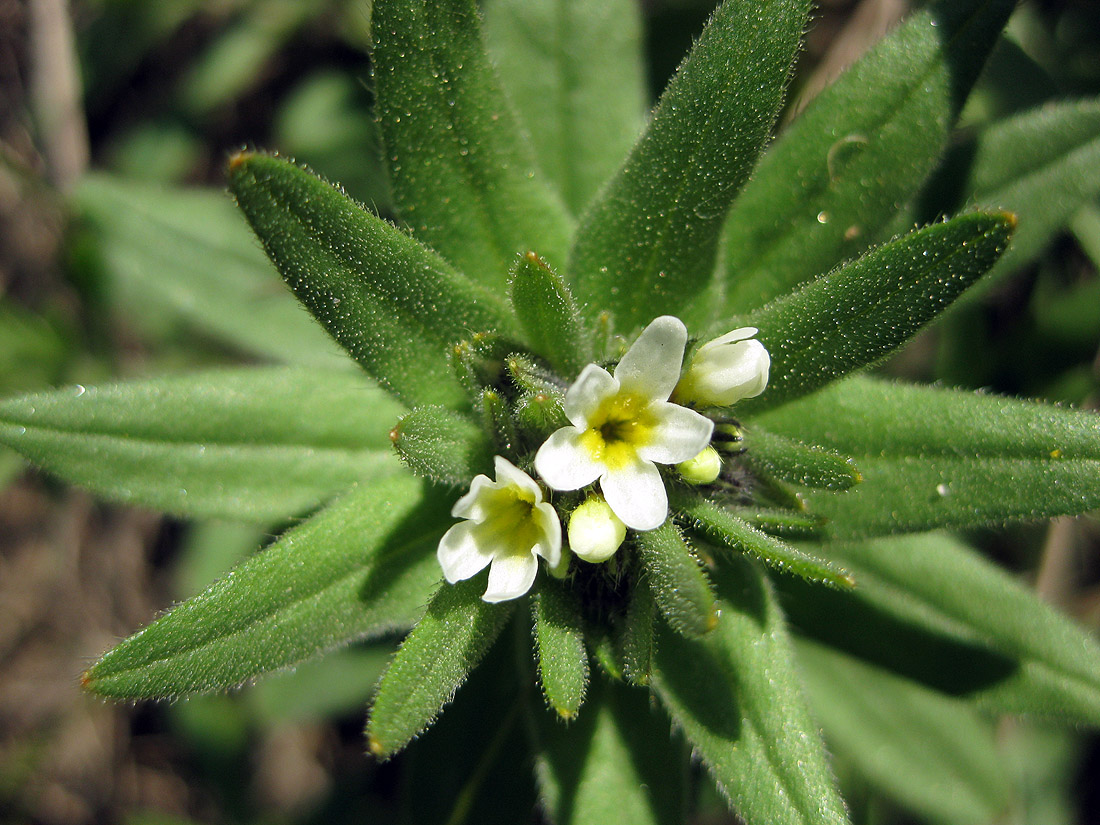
(510, 577)
(508, 474)
(583, 398)
(564, 463)
(460, 554)
(636, 494)
(651, 367)
(549, 546)
(680, 434)
(472, 505)
(739, 334)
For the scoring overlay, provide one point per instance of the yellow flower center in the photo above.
(510, 521)
(622, 423)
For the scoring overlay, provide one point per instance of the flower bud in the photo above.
(595, 532)
(725, 370)
(703, 469)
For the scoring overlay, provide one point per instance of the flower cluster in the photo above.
(622, 424)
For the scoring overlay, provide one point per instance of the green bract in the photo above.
(528, 251)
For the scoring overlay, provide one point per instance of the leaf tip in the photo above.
(376, 748)
(238, 158)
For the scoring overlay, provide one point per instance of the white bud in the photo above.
(595, 532)
(725, 370)
(703, 469)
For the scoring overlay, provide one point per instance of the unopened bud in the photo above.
(703, 469)
(595, 532)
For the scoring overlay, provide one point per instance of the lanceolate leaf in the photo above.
(548, 313)
(932, 457)
(464, 177)
(433, 662)
(260, 443)
(736, 696)
(562, 655)
(930, 608)
(574, 70)
(861, 312)
(363, 566)
(185, 255)
(392, 303)
(647, 244)
(617, 764)
(933, 753)
(677, 581)
(858, 152)
(442, 445)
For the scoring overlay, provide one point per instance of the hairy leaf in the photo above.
(254, 443)
(559, 639)
(676, 578)
(548, 313)
(442, 445)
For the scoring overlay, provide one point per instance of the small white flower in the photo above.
(623, 426)
(725, 370)
(507, 525)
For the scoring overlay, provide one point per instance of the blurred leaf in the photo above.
(863, 311)
(391, 302)
(187, 254)
(857, 153)
(559, 643)
(433, 662)
(253, 443)
(463, 174)
(211, 549)
(574, 71)
(929, 608)
(725, 526)
(362, 566)
(932, 457)
(337, 684)
(614, 764)
(934, 754)
(1086, 229)
(736, 696)
(648, 243)
(32, 351)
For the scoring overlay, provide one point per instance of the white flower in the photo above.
(725, 370)
(507, 525)
(624, 425)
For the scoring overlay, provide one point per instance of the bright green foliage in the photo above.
(259, 444)
(188, 255)
(391, 302)
(464, 178)
(727, 528)
(736, 696)
(363, 566)
(677, 581)
(796, 463)
(907, 739)
(573, 69)
(637, 639)
(858, 152)
(928, 607)
(548, 314)
(934, 457)
(562, 655)
(433, 661)
(865, 310)
(647, 244)
(442, 445)
(615, 764)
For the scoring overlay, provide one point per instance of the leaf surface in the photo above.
(362, 566)
(255, 443)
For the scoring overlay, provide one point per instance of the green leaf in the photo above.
(857, 153)
(546, 310)
(1042, 165)
(932, 457)
(736, 696)
(392, 303)
(442, 445)
(563, 658)
(614, 764)
(464, 177)
(796, 463)
(929, 608)
(725, 525)
(254, 443)
(676, 578)
(432, 663)
(574, 70)
(187, 254)
(636, 641)
(647, 245)
(362, 566)
(860, 313)
(934, 754)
